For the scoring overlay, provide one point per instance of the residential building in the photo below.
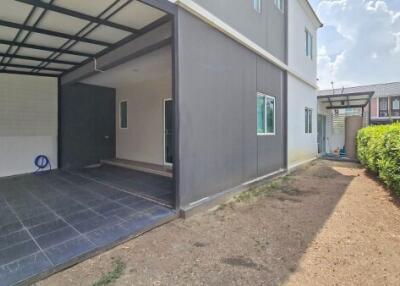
(147, 109)
(375, 104)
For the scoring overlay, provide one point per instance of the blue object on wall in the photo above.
(42, 162)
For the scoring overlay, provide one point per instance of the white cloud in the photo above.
(361, 44)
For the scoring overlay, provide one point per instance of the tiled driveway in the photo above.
(50, 221)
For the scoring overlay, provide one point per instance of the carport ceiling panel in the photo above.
(137, 15)
(58, 29)
(14, 11)
(92, 8)
(62, 23)
(108, 34)
(7, 33)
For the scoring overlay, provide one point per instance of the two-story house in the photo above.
(148, 109)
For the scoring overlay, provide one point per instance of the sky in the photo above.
(359, 43)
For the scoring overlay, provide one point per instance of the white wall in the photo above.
(28, 122)
(301, 146)
(143, 140)
(299, 21)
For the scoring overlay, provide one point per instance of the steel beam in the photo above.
(76, 14)
(32, 67)
(27, 73)
(53, 33)
(45, 48)
(30, 58)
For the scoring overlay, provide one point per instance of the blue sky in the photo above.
(359, 43)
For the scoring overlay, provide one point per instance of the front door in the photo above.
(168, 132)
(321, 134)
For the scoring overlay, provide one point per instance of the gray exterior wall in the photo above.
(267, 29)
(218, 84)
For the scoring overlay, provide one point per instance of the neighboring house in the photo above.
(376, 104)
(212, 95)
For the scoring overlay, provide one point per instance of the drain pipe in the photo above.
(95, 66)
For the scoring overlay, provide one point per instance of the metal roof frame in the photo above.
(72, 39)
(333, 98)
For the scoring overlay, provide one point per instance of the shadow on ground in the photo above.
(261, 238)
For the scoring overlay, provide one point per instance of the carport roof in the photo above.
(53, 37)
(345, 99)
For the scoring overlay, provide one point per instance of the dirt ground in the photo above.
(327, 224)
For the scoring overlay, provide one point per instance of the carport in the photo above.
(340, 115)
(64, 75)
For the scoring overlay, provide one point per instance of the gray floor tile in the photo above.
(68, 250)
(17, 251)
(24, 268)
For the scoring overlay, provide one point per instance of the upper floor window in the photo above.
(396, 106)
(309, 44)
(383, 107)
(279, 4)
(265, 114)
(257, 5)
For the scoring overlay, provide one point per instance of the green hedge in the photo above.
(378, 149)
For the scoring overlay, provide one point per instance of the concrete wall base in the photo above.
(209, 203)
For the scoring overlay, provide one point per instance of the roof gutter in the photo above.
(224, 28)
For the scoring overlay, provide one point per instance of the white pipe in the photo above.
(95, 66)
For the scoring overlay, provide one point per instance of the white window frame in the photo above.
(266, 97)
(280, 4)
(257, 6)
(120, 115)
(309, 44)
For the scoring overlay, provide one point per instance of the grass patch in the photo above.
(263, 190)
(113, 275)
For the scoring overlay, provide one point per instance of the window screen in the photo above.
(123, 114)
(383, 107)
(308, 120)
(265, 114)
(309, 44)
(270, 115)
(396, 106)
(261, 114)
(257, 5)
(279, 4)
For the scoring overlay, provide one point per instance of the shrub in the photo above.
(378, 149)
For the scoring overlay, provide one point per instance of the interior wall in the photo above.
(143, 140)
(28, 122)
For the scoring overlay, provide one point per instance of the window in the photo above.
(123, 114)
(396, 106)
(279, 4)
(309, 44)
(265, 114)
(257, 5)
(308, 120)
(383, 107)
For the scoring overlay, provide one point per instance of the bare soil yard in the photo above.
(327, 224)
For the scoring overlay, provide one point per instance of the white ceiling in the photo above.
(151, 66)
(134, 15)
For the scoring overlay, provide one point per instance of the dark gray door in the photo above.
(321, 134)
(168, 148)
(87, 125)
